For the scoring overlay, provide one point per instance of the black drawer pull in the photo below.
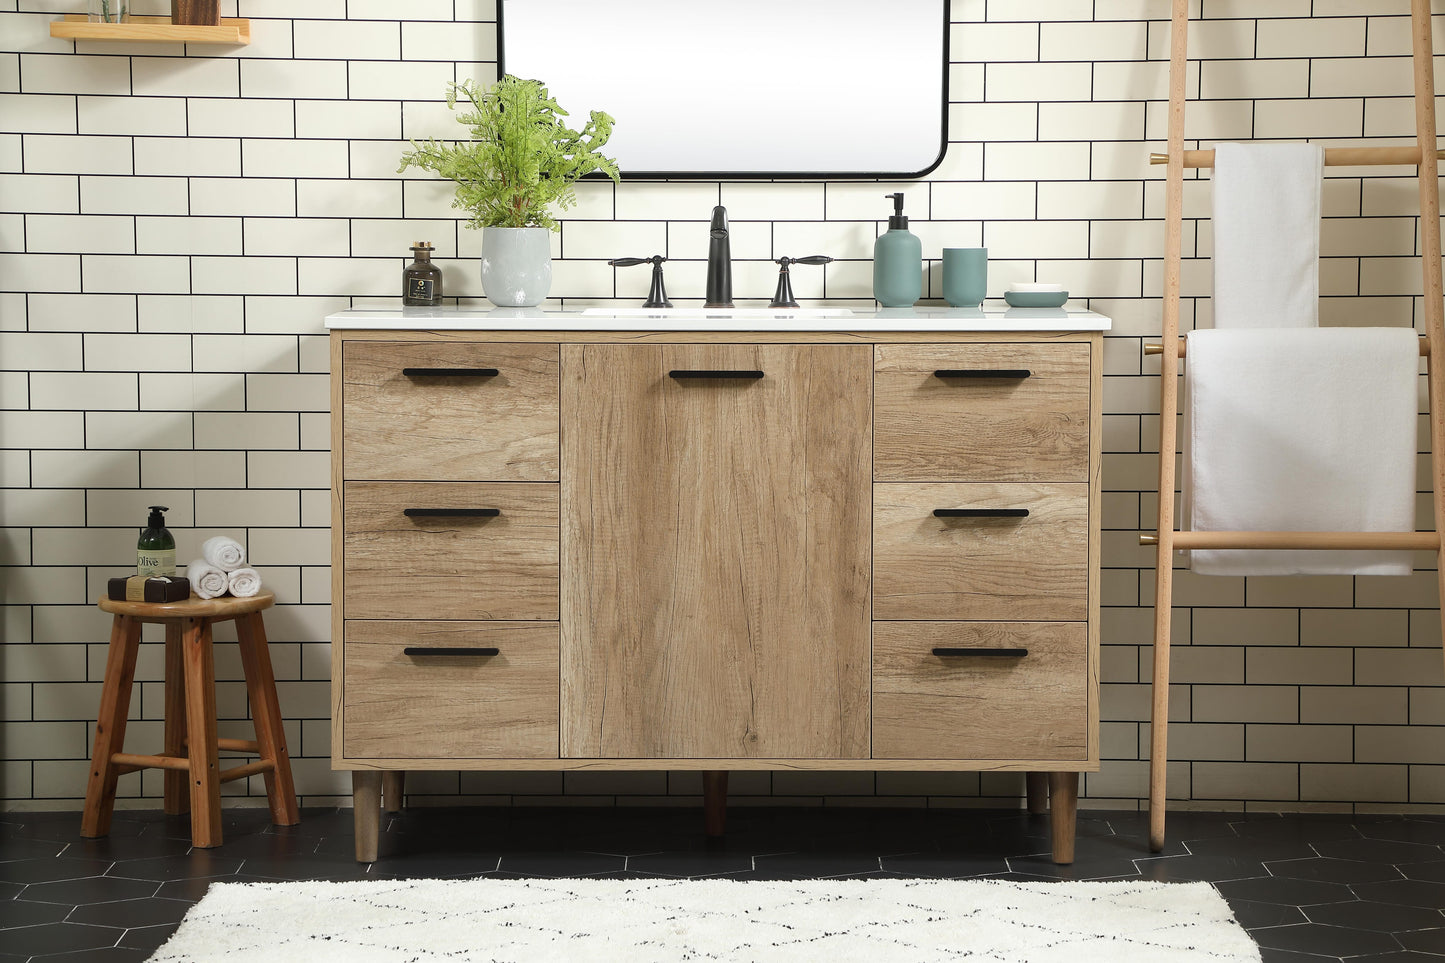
(683, 374)
(451, 512)
(981, 513)
(1016, 374)
(444, 650)
(450, 372)
(983, 653)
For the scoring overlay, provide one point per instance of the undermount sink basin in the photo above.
(736, 314)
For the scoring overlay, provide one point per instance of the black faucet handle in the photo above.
(633, 261)
(783, 298)
(657, 297)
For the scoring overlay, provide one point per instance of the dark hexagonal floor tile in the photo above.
(1287, 892)
(93, 889)
(1404, 956)
(132, 912)
(1369, 915)
(1251, 914)
(60, 938)
(1332, 870)
(10, 890)
(1380, 850)
(197, 864)
(45, 870)
(1178, 826)
(1289, 956)
(690, 864)
(116, 848)
(1260, 849)
(19, 847)
(1404, 892)
(1423, 941)
(557, 865)
(191, 890)
(108, 954)
(815, 865)
(943, 865)
(1324, 940)
(1406, 830)
(24, 912)
(1298, 828)
(1084, 866)
(304, 868)
(1209, 868)
(146, 938)
(432, 867)
(1431, 872)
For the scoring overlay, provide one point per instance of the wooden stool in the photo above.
(190, 707)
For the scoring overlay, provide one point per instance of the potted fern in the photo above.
(521, 159)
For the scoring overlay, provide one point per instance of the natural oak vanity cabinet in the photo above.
(716, 538)
(584, 549)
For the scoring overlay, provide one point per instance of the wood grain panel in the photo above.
(440, 706)
(398, 567)
(502, 428)
(958, 707)
(981, 568)
(982, 429)
(716, 552)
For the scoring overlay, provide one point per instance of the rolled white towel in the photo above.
(224, 552)
(207, 581)
(244, 582)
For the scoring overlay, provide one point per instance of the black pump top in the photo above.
(158, 518)
(897, 222)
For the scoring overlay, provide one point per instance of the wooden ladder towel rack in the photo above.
(1426, 155)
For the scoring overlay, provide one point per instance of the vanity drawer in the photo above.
(435, 412)
(434, 564)
(981, 412)
(435, 705)
(976, 706)
(1017, 552)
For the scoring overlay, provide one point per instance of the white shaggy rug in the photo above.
(669, 920)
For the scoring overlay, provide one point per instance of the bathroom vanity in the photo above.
(647, 540)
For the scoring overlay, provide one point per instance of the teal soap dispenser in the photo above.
(897, 262)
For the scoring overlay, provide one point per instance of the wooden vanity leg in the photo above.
(714, 801)
(1063, 811)
(366, 798)
(393, 790)
(1038, 792)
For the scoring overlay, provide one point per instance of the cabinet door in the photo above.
(716, 551)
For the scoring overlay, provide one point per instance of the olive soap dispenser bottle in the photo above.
(897, 262)
(155, 551)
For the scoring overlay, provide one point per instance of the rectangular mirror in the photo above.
(745, 88)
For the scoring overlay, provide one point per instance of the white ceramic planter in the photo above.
(516, 265)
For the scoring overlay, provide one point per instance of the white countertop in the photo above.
(993, 316)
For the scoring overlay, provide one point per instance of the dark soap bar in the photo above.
(149, 588)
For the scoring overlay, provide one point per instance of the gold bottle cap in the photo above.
(422, 246)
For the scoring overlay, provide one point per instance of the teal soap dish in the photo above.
(1036, 299)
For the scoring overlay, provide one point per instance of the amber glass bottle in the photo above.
(421, 280)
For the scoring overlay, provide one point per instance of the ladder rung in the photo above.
(1334, 157)
(1337, 541)
(1159, 348)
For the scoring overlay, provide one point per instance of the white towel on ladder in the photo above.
(1267, 235)
(1301, 430)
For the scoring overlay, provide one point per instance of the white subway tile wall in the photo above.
(175, 222)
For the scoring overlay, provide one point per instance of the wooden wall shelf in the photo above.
(76, 26)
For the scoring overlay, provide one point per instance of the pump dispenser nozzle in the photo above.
(897, 222)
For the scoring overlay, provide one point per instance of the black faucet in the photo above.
(719, 262)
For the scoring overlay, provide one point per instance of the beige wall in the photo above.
(175, 222)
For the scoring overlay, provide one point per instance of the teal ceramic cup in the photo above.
(965, 276)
